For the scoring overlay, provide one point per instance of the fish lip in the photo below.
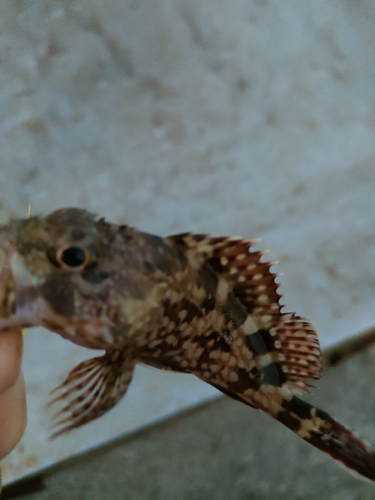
(20, 301)
(27, 308)
(24, 309)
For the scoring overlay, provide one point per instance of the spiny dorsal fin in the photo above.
(292, 337)
(251, 280)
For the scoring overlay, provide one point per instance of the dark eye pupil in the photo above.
(73, 256)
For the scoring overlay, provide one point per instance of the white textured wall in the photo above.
(251, 117)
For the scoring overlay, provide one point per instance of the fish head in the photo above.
(95, 283)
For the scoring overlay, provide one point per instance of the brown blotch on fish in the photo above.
(304, 409)
(125, 234)
(246, 380)
(78, 234)
(261, 342)
(287, 419)
(192, 311)
(58, 291)
(150, 268)
(235, 310)
(272, 374)
(208, 280)
(172, 310)
(95, 277)
(167, 259)
(227, 336)
(120, 331)
(215, 264)
(219, 343)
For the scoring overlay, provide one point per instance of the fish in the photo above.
(192, 303)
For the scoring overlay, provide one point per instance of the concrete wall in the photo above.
(251, 117)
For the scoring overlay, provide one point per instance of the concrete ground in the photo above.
(223, 450)
(249, 117)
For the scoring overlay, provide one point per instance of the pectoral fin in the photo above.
(91, 389)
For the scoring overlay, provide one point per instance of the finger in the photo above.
(12, 416)
(10, 358)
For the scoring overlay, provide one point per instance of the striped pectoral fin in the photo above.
(91, 389)
(325, 433)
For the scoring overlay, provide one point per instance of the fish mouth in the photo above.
(16, 313)
(22, 305)
(20, 301)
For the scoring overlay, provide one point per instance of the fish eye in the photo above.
(72, 257)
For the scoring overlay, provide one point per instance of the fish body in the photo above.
(190, 303)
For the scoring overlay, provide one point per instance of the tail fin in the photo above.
(322, 431)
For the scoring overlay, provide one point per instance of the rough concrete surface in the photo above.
(251, 117)
(222, 451)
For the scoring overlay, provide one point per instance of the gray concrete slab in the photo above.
(245, 117)
(222, 451)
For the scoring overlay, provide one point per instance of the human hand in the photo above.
(12, 392)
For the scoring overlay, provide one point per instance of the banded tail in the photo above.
(329, 436)
(315, 427)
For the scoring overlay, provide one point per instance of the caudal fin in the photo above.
(322, 431)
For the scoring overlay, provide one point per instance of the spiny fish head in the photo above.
(93, 282)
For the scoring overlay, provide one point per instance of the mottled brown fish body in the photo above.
(100, 303)
(191, 303)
